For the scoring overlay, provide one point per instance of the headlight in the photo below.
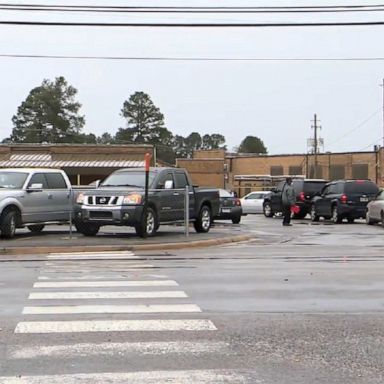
(134, 198)
(80, 198)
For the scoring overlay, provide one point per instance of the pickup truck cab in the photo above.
(33, 197)
(119, 200)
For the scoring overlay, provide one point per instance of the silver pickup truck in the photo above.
(32, 198)
(120, 198)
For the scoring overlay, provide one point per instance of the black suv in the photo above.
(305, 190)
(341, 199)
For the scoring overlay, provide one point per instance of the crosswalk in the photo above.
(113, 306)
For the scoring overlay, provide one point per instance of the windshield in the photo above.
(127, 179)
(14, 180)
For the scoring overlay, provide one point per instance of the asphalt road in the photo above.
(300, 304)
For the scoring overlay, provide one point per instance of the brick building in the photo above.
(246, 172)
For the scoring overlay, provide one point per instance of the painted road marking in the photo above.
(107, 295)
(112, 275)
(82, 309)
(144, 377)
(116, 349)
(114, 326)
(71, 256)
(94, 284)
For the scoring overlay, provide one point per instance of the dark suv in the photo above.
(305, 190)
(343, 199)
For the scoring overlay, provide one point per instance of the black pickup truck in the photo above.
(119, 200)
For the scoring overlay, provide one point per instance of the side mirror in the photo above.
(97, 183)
(38, 187)
(168, 184)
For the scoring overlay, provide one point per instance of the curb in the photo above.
(21, 251)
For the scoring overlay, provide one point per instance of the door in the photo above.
(37, 205)
(58, 194)
(181, 184)
(166, 196)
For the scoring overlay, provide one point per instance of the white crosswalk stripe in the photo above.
(76, 309)
(71, 277)
(96, 284)
(152, 377)
(106, 295)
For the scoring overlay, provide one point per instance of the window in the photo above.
(336, 172)
(163, 178)
(55, 181)
(334, 189)
(277, 170)
(181, 180)
(38, 178)
(295, 170)
(360, 171)
(318, 174)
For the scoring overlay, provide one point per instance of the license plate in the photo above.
(364, 199)
(226, 210)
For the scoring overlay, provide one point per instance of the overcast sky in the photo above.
(274, 100)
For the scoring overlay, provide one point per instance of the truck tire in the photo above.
(37, 228)
(267, 209)
(152, 224)
(203, 220)
(87, 229)
(8, 224)
(236, 219)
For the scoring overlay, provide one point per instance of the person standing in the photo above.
(288, 197)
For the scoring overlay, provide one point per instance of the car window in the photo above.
(181, 180)
(38, 178)
(12, 179)
(224, 193)
(334, 189)
(252, 196)
(380, 196)
(361, 187)
(313, 187)
(280, 186)
(55, 181)
(163, 178)
(325, 191)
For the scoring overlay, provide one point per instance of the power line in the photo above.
(357, 127)
(353, 6)
(189, 25)
(170, 58)
(188, 10)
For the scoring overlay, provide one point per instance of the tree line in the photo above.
(50, 114)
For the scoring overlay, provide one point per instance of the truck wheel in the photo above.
(236, 219)
(267, 209)
(87, 229)
(8, 224)
(203, 221)
(152, 224)
(36, 228)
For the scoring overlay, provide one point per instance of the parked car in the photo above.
(32, 198)
(343, 199)
(119, 200)
(375, 210)
(230, 207)
(305, 190)
(253, 202)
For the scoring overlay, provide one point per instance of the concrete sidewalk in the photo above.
(59, 239)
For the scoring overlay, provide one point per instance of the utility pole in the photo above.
(315, 145)
(383, 111)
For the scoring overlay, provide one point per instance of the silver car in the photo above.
(375, 210)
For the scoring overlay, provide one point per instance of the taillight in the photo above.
(238, 202)
(302, 196)
(343, 199)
